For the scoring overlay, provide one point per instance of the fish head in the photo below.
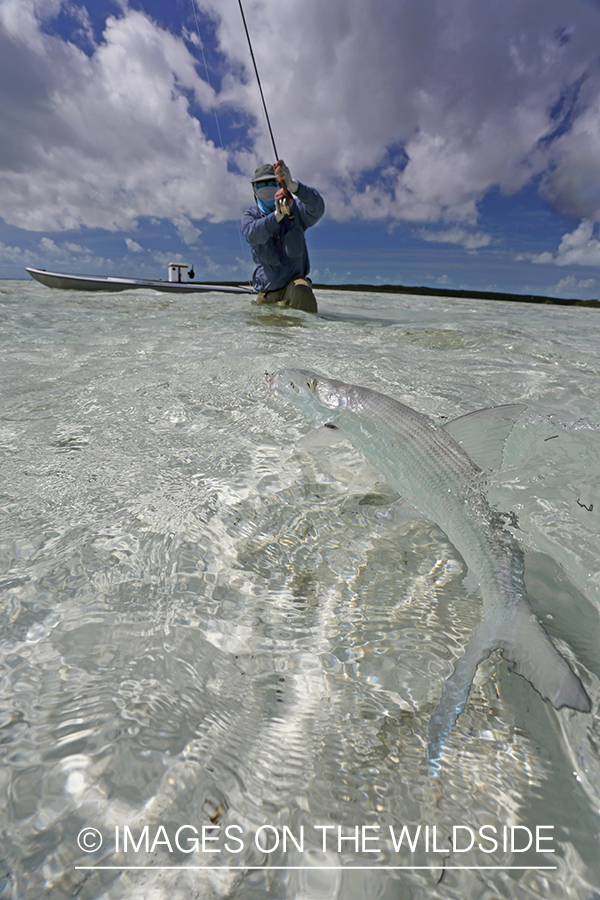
(307, 389)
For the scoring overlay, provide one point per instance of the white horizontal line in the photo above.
(316, 868)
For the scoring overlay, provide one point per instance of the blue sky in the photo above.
(456, 142)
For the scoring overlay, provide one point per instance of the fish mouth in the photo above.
(270, 380)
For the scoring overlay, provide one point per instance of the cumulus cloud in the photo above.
(398, 111)
(540, 259)
(470, 240)
(49, 254)
(133, 246)
(573, 185)
(102, 139)
(63, 252)
(186, 230)
(572, 285)
(48, 246)
(413, 111)
(577, 248)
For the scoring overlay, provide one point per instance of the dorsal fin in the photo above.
(482, 433)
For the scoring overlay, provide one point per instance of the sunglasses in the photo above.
(263, 184)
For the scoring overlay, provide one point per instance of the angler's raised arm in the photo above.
(275, 229)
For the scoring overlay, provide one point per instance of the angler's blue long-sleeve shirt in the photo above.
(279, 248)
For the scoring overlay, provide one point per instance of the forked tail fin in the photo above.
(536, 658)
(455, 693)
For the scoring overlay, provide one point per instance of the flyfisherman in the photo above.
(274, 228)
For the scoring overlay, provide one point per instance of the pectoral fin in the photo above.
(401, 512)
(366, 479)
(324, 436)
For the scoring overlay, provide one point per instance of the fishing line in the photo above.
(243, 244)
(194, 7)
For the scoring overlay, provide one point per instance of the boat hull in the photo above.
(91, 283)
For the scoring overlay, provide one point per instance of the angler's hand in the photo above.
(281, 207)
(284, 176)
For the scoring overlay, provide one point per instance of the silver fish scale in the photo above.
(427, 466)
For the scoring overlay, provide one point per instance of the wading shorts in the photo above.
(297, 294)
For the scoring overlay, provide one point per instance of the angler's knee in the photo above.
(300, 296)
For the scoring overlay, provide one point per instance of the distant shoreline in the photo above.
(465, 295)
(424, 291)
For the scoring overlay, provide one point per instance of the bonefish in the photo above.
(438, 469)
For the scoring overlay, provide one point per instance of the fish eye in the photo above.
(312, 384)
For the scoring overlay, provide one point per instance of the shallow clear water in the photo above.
(203, 625)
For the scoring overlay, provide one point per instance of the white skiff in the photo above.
(95, 283)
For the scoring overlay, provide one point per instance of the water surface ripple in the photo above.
(205, 625)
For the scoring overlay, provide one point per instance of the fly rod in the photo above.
(288, 196)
